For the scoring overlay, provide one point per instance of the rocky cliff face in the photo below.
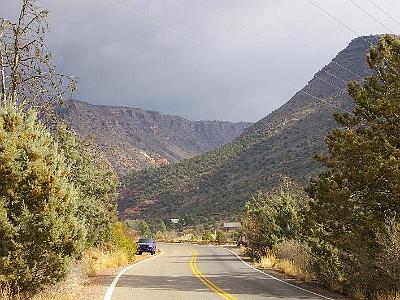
(133, 139)
(283, 144)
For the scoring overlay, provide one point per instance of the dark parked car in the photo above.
(146, 245)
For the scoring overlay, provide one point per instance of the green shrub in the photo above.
(207, 237)
(268, 220)
(40, 232)
(122, 240)
(220, 237)
(144, 229)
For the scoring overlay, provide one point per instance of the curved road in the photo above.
(200, 272)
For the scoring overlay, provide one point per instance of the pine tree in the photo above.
(360, 188)
(96, 184)
(40, 232)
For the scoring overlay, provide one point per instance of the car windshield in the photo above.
(145, 241)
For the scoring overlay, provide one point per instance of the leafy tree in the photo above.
(360, 187)
(144, 229)
(268, 220)
(40, 231)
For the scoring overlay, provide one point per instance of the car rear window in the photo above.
(145, 240)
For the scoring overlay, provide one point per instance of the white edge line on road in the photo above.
(273, 277)
(112, 286)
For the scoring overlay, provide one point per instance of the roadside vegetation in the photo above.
(57, 196)
(346, 235)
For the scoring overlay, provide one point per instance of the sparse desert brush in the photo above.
(268, 261)
(288, 267)
(358, 294)
(394, 295)
(6, 293)
(53, 296)
(295, 259)
(96, 260)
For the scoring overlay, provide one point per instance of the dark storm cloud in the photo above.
(233, 69)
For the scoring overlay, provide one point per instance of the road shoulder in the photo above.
(313, 287)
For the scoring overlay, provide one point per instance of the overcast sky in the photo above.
(204, 59)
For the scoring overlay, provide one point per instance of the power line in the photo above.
(179, 34)
(330, 83)
(338, 78)
(264, 38)
(385, 12)
(371, 16)
(154, 22)
(324, 100)
(339, 21)
(348, 70)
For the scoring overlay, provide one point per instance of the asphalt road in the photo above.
(199, 272)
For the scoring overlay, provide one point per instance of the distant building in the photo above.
(175, 221)
(232, 225)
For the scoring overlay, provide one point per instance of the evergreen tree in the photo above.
(360, 187)
(96, 184)
(144, 229)
(160, 227)
(39, 229)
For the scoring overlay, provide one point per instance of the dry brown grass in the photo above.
(7, 294)
(358, 294)
(290, 257)
(53, 296)
(96, 260)
(289, 268)
(267, 262)
(388, 296)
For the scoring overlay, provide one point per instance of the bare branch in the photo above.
(28, 72)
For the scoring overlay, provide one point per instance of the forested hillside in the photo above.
(133, 139)
(282, 144)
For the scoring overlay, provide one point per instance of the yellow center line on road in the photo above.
(220, 292)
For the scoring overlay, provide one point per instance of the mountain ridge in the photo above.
(281, 144)
(133, 139)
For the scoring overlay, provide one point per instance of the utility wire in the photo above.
(330, 83)
(384, 12)
(371, 16)
(347, 69)
(264, 38)
(155, 22)
(179, 34)
(338, 78)
(339, 21)
(324, 100)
